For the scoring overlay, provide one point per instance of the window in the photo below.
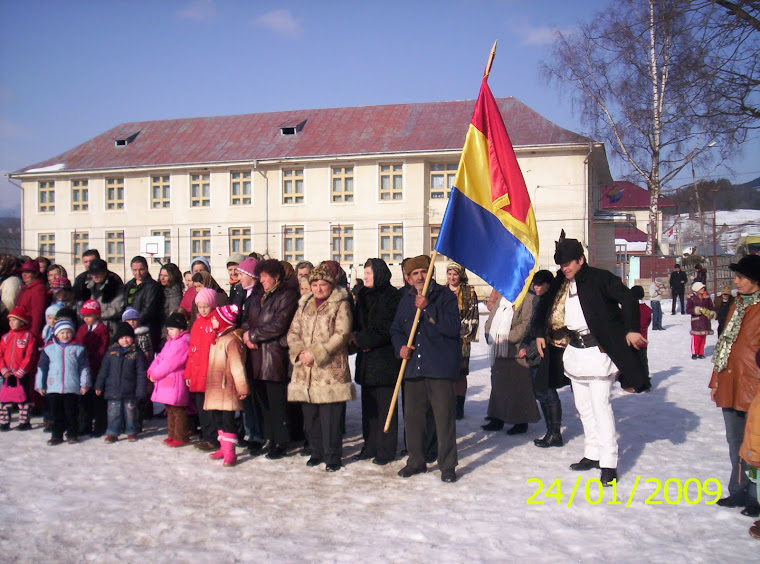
(434, 231)
(200, 190)
(80, 242)
(240, 240)
(292, 243)
(342, 238)
(343, 184)
(115, 247)
(159, 192)
(292, 186)
(391, 242)
(167, 235)
(47, 196)
(240, 188)
(80, 195)
(391, 180)
(114, 193)
(442, 179)
(200, 243)
(46, 244)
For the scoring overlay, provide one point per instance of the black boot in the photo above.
(518, 429)
(553, 417)
(460, 407)
(607, 475)
(493, 425)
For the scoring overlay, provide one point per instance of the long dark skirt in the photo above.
(512, 399)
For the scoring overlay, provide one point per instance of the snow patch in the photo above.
(51, 168)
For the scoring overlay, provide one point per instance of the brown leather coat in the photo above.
(739, 382)
(750, 449)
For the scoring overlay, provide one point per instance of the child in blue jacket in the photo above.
(122, 382)
(62, 376)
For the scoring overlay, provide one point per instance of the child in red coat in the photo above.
(645, 318)
(18, 364)
(702, 311)
(94, 336)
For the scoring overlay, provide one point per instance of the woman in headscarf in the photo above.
(376, 363)
(170, 279)
(203, 280)
(318, 340)
(198, 264)
(467, 300)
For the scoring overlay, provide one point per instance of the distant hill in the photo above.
(10, 235)
(728, 196)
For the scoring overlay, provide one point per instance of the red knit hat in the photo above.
(90, 307)
(20, 313)
(226, 315)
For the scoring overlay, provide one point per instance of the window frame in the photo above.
(80, 195)
(200, 234)
(46, 245)
(242, 181)
(202, 200)
(296, 197)
(342, 177)
(46, 192)
(163, 202)
(341, 234)
(294, 255)
(241, 238)
(167, 235)
(115, 238)
(80, 242)
(391, 254)
(117, 202)
(391, 191)
(448, 174)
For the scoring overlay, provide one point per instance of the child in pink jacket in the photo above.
(167, 372)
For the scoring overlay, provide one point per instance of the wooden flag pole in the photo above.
(490, 60)
(409, 343)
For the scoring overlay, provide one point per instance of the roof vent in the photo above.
(291, 127)
(124, 141)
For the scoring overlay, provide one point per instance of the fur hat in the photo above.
(226, 315)
(20, 313)
(697, 286)
(124, 329)
(30, 265)
(567, 250)
(421, 261)
(248, 266)
(130, 313)
(90, 307)
(62, 324)
(235, 258)
(322, 272)
(61, 283)
(177, 321)
(206, 296)
(748, 266)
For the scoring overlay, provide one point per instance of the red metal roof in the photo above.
(627, 195)
(396, 128)
(630, 234)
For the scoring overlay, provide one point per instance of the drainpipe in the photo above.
(586, 219)
(266, 206)
(21, 213)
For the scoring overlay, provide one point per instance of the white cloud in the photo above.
(536, 35)
(280, 22)
(198, 10)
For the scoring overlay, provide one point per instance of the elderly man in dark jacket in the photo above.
(432, 368)
(146, 296)
(593, 312)
(376, 363)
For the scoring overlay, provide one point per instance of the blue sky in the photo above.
(70, 70)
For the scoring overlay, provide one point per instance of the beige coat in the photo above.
(324, 332)
(226, 381)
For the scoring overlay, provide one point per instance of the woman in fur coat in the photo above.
(318, 341)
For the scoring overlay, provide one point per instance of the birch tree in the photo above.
(636, 73)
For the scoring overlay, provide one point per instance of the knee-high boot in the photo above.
(553, 417)
(229, 441)
(219, 453)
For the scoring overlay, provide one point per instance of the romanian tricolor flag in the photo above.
(489, 226)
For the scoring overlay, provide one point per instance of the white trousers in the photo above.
(592, 400)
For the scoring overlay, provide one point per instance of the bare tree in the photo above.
(636, 73)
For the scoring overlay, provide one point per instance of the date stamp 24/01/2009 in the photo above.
(673, 490)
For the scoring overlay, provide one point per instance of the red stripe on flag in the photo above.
(506, 177)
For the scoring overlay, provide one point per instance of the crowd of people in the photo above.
(266, 364)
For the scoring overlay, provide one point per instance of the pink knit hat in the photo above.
(248, 266)
(226, 315)
(206, 296)
(90, 307)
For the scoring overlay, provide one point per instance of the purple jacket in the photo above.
(168, 372)
(700, 324)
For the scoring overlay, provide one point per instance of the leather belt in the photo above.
(582, 340)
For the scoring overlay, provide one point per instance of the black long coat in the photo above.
(611, 311)
(376, 363)
(269, 318)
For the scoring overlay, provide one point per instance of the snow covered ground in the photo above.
(144, 502)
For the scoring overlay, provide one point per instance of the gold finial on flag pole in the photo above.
(490, 60)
